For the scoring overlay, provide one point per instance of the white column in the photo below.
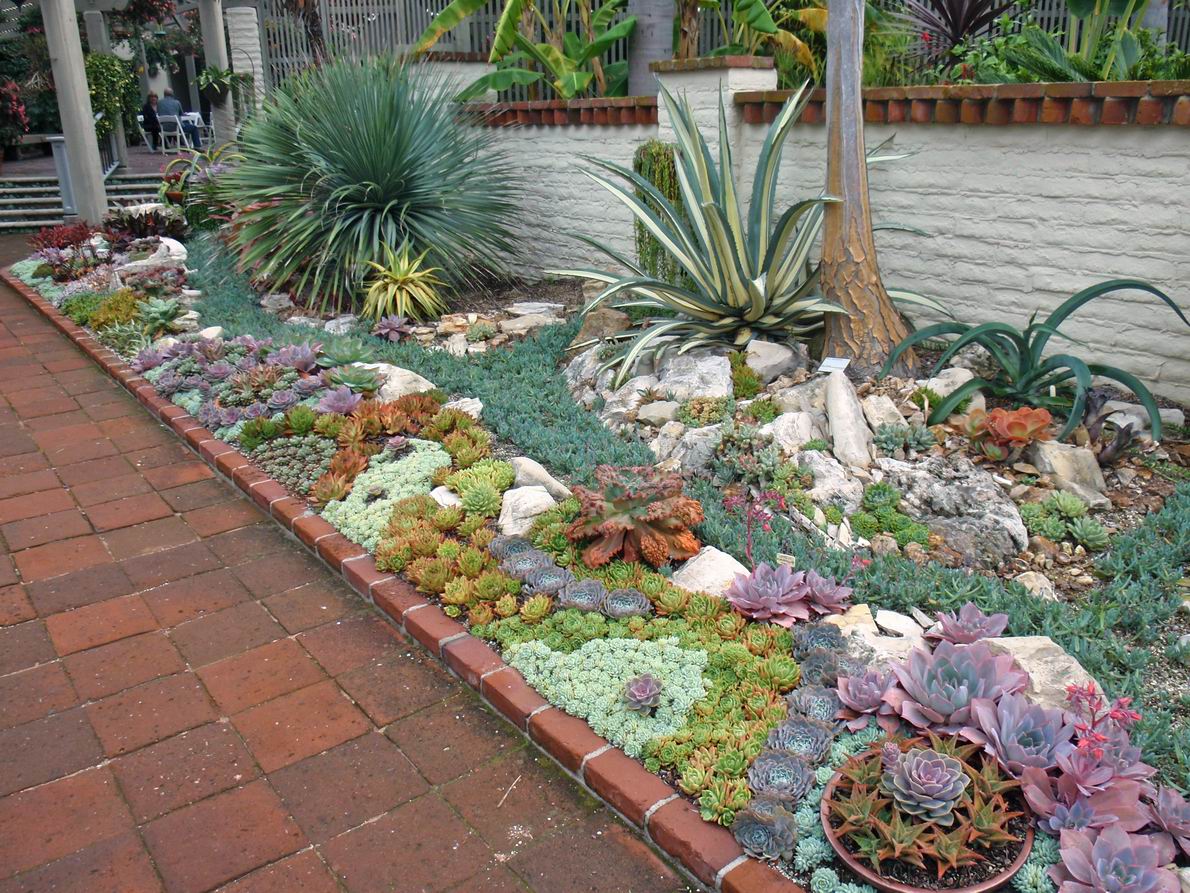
(214, 48)
(99, 41)
(74, 106)
(243, 35)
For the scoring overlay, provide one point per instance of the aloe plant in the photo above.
(1059, 382)
(744, 276)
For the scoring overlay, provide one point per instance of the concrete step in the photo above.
(36, 200)
(29, 224)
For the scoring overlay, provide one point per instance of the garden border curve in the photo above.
(706, 853)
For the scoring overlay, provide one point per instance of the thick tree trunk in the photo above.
(850, 275)
(688, 33)
(651, 41)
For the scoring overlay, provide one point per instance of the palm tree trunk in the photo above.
(688, 33)
(871, 327)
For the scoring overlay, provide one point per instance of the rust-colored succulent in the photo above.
(348, 464)
(636, 513)
(330, 487)
(1018, 427)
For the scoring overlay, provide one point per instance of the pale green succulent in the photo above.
(1089, 533)
(1067, 505)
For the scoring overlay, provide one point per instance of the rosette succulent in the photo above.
(583, 595)
(147, 359)
(781, 775)
(1019, 734)
(520, 564)
(936, 688)
(282, 400)
(814, 636)
(302, 357)
(392, 327)
(256, 411)
(620, 604)
(774, 594)
(827, 595)
(504, 546)
(864, 695)
(308, 386)
(925, 784)
(969, 625)
(642, 694)
(547, 580)
(1171, 813)
(219, 371)
(815, 702)
(341, 400)
(1114, 861)
(766, 830)
(802, 737)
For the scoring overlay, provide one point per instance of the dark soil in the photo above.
(996, 860)
(499, 295)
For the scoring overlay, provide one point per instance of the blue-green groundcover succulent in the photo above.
(589, 682)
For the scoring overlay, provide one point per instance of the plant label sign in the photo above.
(833, 364)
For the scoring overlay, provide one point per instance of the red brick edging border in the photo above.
(1103, 103)
(706, 852)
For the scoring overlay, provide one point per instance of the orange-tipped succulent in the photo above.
(637, 513)
(1018, 427)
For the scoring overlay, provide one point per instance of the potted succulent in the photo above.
(927, 814)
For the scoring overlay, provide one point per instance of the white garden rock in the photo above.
(276, 302)
(342, 325)
(770, 360)
(473, 406)
(397, 382)
(169, 253)
(1038, 584)
(897, 624)
(791, 430)
(534, 308)
(809, 396)
(949, 380)
(621, 406)
(523, 325)
(696, 448)
(1133, 413)
(832, 484)
(445, 497)
(1072, 468)
(211, 333)
(851, 441)
(658, 412)
(531, 473)
(692, 375)
(858, 623)
(880, 409)
(187, 322)
(711, 571)
(520, 507)
(309, 322)
(583, 378)
(1049, 667)
(961, 503)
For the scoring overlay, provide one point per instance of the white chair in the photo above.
(172, 133)
(140, 125)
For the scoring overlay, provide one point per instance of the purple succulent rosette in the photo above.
(308, 387)
(219, 371)
(865, 696)
(969, 625)
(303, 357)
(1114, 861)
(1019, 734)
(282, 400)
(256, 411)
(147, 359)
(924, 783)
(643, 694)
(340, 400)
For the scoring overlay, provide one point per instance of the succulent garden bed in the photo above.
(762, 693)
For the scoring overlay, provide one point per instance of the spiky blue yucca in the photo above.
(350, 156)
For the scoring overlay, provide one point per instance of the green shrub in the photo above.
(121, 306)
(352, 155)
(80, 307)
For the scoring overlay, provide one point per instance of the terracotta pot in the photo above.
(866, 874)
(175, 196)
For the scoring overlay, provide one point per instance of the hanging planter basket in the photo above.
(215, 94)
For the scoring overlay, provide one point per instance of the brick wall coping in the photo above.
(711, 63)
(670, 823)
(450, 56)
(1102, 102)
(615, 110)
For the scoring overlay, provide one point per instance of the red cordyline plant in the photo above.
(67, 235)
(636, 513)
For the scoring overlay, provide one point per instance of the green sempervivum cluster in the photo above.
(879, 515)
(699, 412)
(746, 455)
(363, 514)
(1063, 515)
(589, 682)
(762, 410)
(460, 435)
(80, 307)
(480, 331)
(295, 462)
(890, 438)
(745, 383)
(120, 306)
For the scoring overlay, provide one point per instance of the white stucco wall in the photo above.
(1019, 219)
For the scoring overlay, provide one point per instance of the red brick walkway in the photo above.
(189, 702)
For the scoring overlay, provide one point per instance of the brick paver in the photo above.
(190, 702)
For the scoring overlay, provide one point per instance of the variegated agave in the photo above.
(744, 276)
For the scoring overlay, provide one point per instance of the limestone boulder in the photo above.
(309, 322)
(859, 626)
(791, 430)
(276, 302)
(584, 380)
(809, 396)
(470, 405)
(832, 484)
(531, 473)
(851, 439)
(521, 506)
(711, 571)
(658, 412)
(342, 325)
(880, 409)
(621, 405)
(1072, 468)
(601, 323)
(1049, 667)
(534, 308)
(691, 375)
(770, 360)
(961, 503)
(397, 382)
(1038, 584)
(524, 325)
(696, 448)
(211, 332)
(949, 380)
(445, 497)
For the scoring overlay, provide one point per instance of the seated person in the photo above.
(149, 123)
(169, 105)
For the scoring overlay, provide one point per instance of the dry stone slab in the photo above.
(770, 360)
(949, 380)
(276, 302)
(851, 440)
(1073, 469)
(832, 484)
(523, 325)
(658, 412)
(693, 375)
(791, 430)
(601, 323)
(1049, 667)
(473, 406)
(521, 506)
(342, 325)
(445, 497)
(1038, 584)
(397, 382)
(531, 473)
(880, 409)
(711, 571)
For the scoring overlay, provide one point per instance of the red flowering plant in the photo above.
(14, 122)
(755, 512)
